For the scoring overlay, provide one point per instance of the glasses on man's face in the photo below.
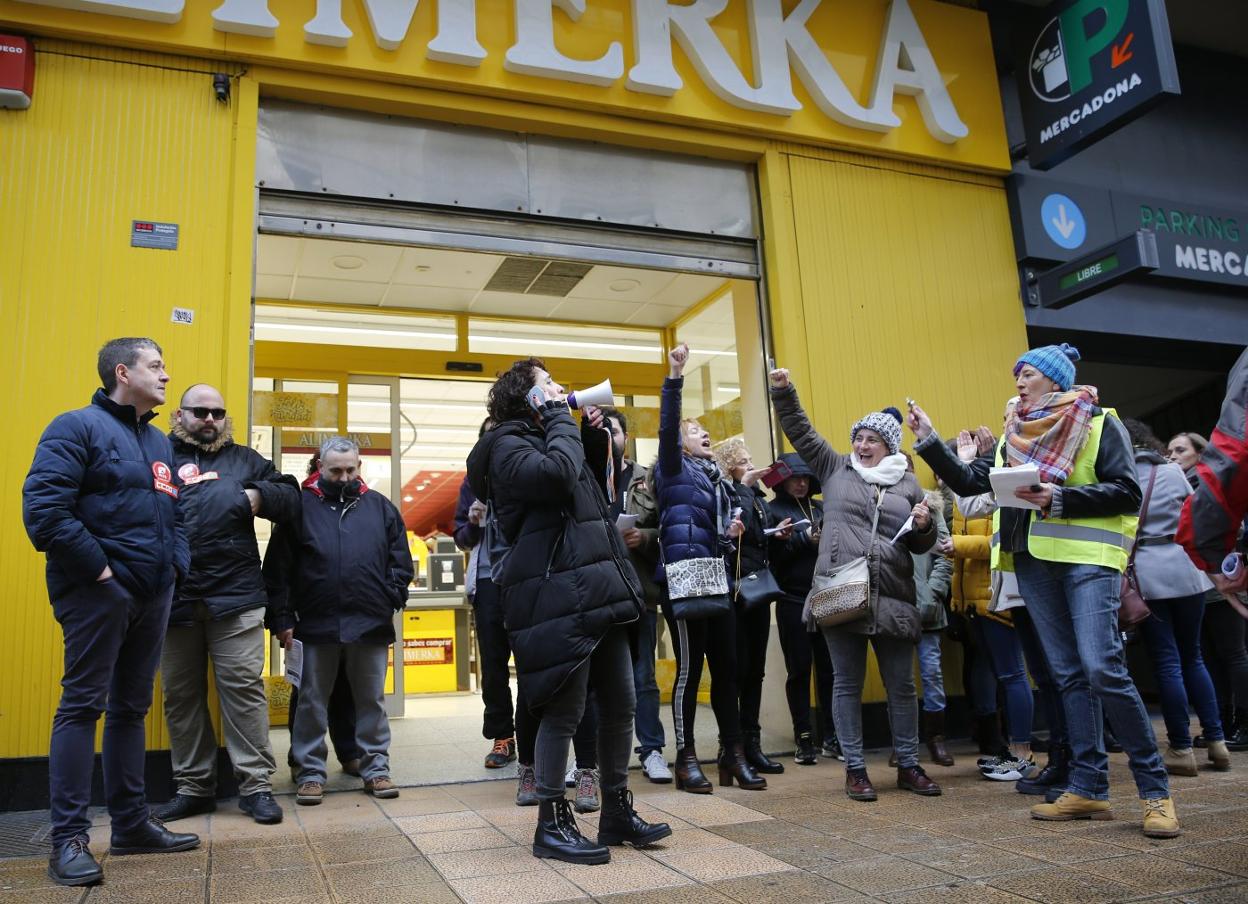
(218, 414)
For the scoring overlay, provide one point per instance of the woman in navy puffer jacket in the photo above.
(696, 522)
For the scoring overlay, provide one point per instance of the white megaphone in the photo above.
(595, 395)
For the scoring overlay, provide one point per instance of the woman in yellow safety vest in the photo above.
(1067, 537)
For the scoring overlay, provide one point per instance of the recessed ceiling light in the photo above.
(623, 285)
(408, 498)
(348, 262)
(422, 268)
(435, 473)
(420, 489)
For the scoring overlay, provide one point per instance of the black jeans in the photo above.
(1222, 637)
(610, 670)
(714, 638)
(341, 719)
(802, 649)
(584, 741)
(112, 648)
(753, 631)
(495, 647)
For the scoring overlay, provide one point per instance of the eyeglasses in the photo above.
(218, 414)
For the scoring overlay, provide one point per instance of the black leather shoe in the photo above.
(620, 824)
(1055, 774)
(261, 807)
(72, 863)
(558, 838)
(152, 838)
(182, 806)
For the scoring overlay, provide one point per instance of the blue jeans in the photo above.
(1172, 636)
(1041, 674)
(646, 723)
(1075, 611)
(930, 674)
(112, 648)
(1001, 643)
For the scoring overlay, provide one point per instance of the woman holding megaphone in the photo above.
(698, 527)
(568, 590)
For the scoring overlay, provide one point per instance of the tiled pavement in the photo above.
(801, 840)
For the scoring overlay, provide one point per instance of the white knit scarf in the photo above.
(887, 473)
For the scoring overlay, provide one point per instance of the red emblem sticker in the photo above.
(161, 477)
(188, 470)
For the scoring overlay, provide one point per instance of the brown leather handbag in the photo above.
(1132, 608)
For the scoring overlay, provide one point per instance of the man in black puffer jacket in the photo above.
(336, 575)
(568, 592)
(218, 611)
(100, 501)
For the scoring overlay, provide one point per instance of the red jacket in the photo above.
(1212, 516)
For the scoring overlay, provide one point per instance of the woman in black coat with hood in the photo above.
(568, 591)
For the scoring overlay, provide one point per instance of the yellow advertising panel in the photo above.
(295, 409)
(899, 77)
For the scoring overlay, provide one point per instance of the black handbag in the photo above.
(758, 588)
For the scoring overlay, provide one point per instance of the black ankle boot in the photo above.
(1055, 773)
(756, 758)
(1237, 732)
(689, 775)
(620, 824)
(733, 764)
(558, 838)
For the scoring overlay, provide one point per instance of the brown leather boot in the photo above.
(913, 778)
(934, 730)
(689, 775)
(858, 786)
(733, 764)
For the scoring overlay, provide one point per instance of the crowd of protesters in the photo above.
(576, 552)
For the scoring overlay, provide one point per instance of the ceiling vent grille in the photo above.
(536, 276)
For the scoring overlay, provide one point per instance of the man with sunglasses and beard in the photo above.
(219, 610)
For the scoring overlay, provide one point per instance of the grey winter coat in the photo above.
(1161, 565)
(848, 507)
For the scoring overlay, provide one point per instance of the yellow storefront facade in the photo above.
(872, 130)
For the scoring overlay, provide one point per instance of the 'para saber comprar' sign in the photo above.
(1087, 68)
(17, 72)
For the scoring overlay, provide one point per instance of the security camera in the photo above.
(221, 87)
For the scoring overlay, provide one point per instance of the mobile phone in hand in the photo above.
(777, 474)
(537, 398)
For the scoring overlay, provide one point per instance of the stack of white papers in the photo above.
(1006, 480)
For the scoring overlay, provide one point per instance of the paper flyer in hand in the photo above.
(1006, 480)
(294, 663)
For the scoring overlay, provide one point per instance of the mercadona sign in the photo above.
(1088, 67)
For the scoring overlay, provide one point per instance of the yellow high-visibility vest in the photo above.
(1104, 541)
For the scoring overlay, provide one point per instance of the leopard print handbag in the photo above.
(697, 588)
(844, 594)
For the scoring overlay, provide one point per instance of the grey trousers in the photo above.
(610, 671)
(365, 665)
(896, 661)
(236, 647)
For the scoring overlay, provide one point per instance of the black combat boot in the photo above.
(620, 824)
(558, 838)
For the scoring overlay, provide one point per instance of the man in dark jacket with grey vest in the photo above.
(218, 611)
(101, 503)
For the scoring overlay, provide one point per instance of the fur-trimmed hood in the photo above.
(179, 434)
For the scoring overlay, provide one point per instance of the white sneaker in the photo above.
(569, 779)
(1011, 770)
(654, 767)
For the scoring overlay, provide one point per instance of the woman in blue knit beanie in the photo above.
(1068, 540)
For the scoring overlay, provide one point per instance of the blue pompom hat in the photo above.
(1057, 362)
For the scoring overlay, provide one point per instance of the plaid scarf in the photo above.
(1050, 432)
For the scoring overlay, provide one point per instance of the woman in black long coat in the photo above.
(568, 591)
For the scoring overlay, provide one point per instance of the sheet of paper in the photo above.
(294, 663)
(625, 522)
(903, 530)
(1006, 480)
(796, 525)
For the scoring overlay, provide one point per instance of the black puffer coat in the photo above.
(793, 560)
(567, 578)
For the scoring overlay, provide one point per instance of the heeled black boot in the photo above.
(733, 764)
(756, 758)
(620, 824)
(689, 775)
(558, 838)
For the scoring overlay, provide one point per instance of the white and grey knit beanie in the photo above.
(884, 424)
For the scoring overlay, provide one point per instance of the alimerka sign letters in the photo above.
(782, 47)
(1088, 67)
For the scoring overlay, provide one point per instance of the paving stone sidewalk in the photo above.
(801, 840)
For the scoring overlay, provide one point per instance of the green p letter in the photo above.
(1079, 46)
